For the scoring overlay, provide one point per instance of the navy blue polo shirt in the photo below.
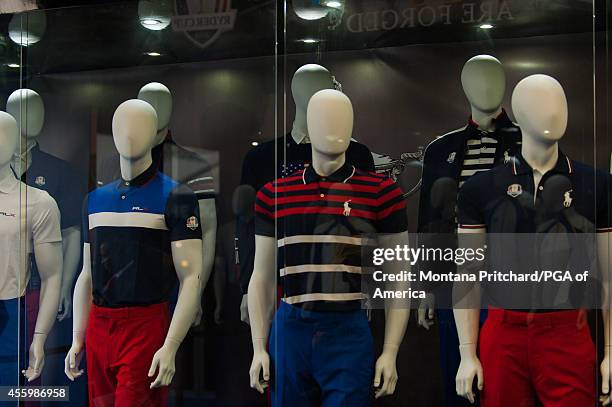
(321, 223)
(571, 199)
(60, 180)
(130, 226)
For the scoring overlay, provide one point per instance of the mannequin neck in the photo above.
(325, 164)
(299, 132)
(130, 169)
(541, 155)
(485, 119)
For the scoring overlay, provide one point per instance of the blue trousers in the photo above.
(320, 358)
(13, 348)
(450, 358)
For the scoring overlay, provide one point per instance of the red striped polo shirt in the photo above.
(322, 224)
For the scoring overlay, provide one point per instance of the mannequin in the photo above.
(49, 173)
(42, 238)
(100, 298)
(330, 123)
(488, 140)
(181, 164)
(540, 107)
(289, 154)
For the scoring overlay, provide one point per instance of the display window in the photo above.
(305, 203)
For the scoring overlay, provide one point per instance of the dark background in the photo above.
(404, 85)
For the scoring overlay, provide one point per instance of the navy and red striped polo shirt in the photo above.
(321, 223)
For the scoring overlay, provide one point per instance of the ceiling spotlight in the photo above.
(486, 26)
(27, 28)
(333, 4)
(309, 41)
(13, 65)
(153, 54)
(155, 14)
(309, 9)
(254, 143)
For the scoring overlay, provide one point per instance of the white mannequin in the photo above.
(27, 107)
(330, 124)
(134, 129)
(484, 83)
(540, 108)
(159, 96)
(48, 258)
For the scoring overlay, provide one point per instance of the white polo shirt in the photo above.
(28, 216)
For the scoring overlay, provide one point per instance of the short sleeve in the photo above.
(183, 214)
(604, 204)
(469, 212)
(360, 156)
(46, 221)
(264, 211)
(391, 209)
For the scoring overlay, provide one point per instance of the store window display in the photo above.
(524, 354)
(40, 236)
(489, 139)
(141, 232)
(323, 213)
(285, 155)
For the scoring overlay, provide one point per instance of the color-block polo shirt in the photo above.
(130, 226)
(28, 216)
(321, 222)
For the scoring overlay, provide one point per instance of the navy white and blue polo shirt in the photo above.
(320, 224)
(130, 226)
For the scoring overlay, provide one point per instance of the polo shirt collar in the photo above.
(501, 121)
(342, 174)
(8, 184)
(142, 179)
(520, 167)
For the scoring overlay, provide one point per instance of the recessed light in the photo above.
(13, 65)
(150, 21)
(254, 143)
(309, 41)
(333, 4)
(153, 54)
(486, 26)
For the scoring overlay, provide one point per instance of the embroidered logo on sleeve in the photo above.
(40, 181)
(451, 157)
(515, 190)
(192, 223)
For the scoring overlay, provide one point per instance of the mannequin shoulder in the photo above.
(445, 141)
(37, 198)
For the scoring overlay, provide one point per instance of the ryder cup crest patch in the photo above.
(515, 190)
(40, 181)
(192, 223)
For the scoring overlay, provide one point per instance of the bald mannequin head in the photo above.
(134, 128)
(484, 83)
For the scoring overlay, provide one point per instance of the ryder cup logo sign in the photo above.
(203, 21)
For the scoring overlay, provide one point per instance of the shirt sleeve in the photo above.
(85, 219)
(183, 215)
(391, 214)
(264, 211)
(604, 209)
(46, 221)
(361, 157)
(469, 213)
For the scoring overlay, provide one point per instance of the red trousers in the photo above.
(120, 345)
(549, 356)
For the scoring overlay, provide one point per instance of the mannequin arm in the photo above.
(49, 262)
(82, 305)
(187, 258)
(208, 212)
(396, 320)
(604, 254)
(71, 239)
(466, 298)
(261, 300)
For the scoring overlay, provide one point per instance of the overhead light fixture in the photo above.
(486, 26)
(309, 9)
(13, 65)
(153, 54)
(155, 14)
(309, 41)
(254, 143)
(333, 4)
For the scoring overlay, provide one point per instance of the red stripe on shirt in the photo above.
(393, 208)
(324, 210)
(315, 198)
